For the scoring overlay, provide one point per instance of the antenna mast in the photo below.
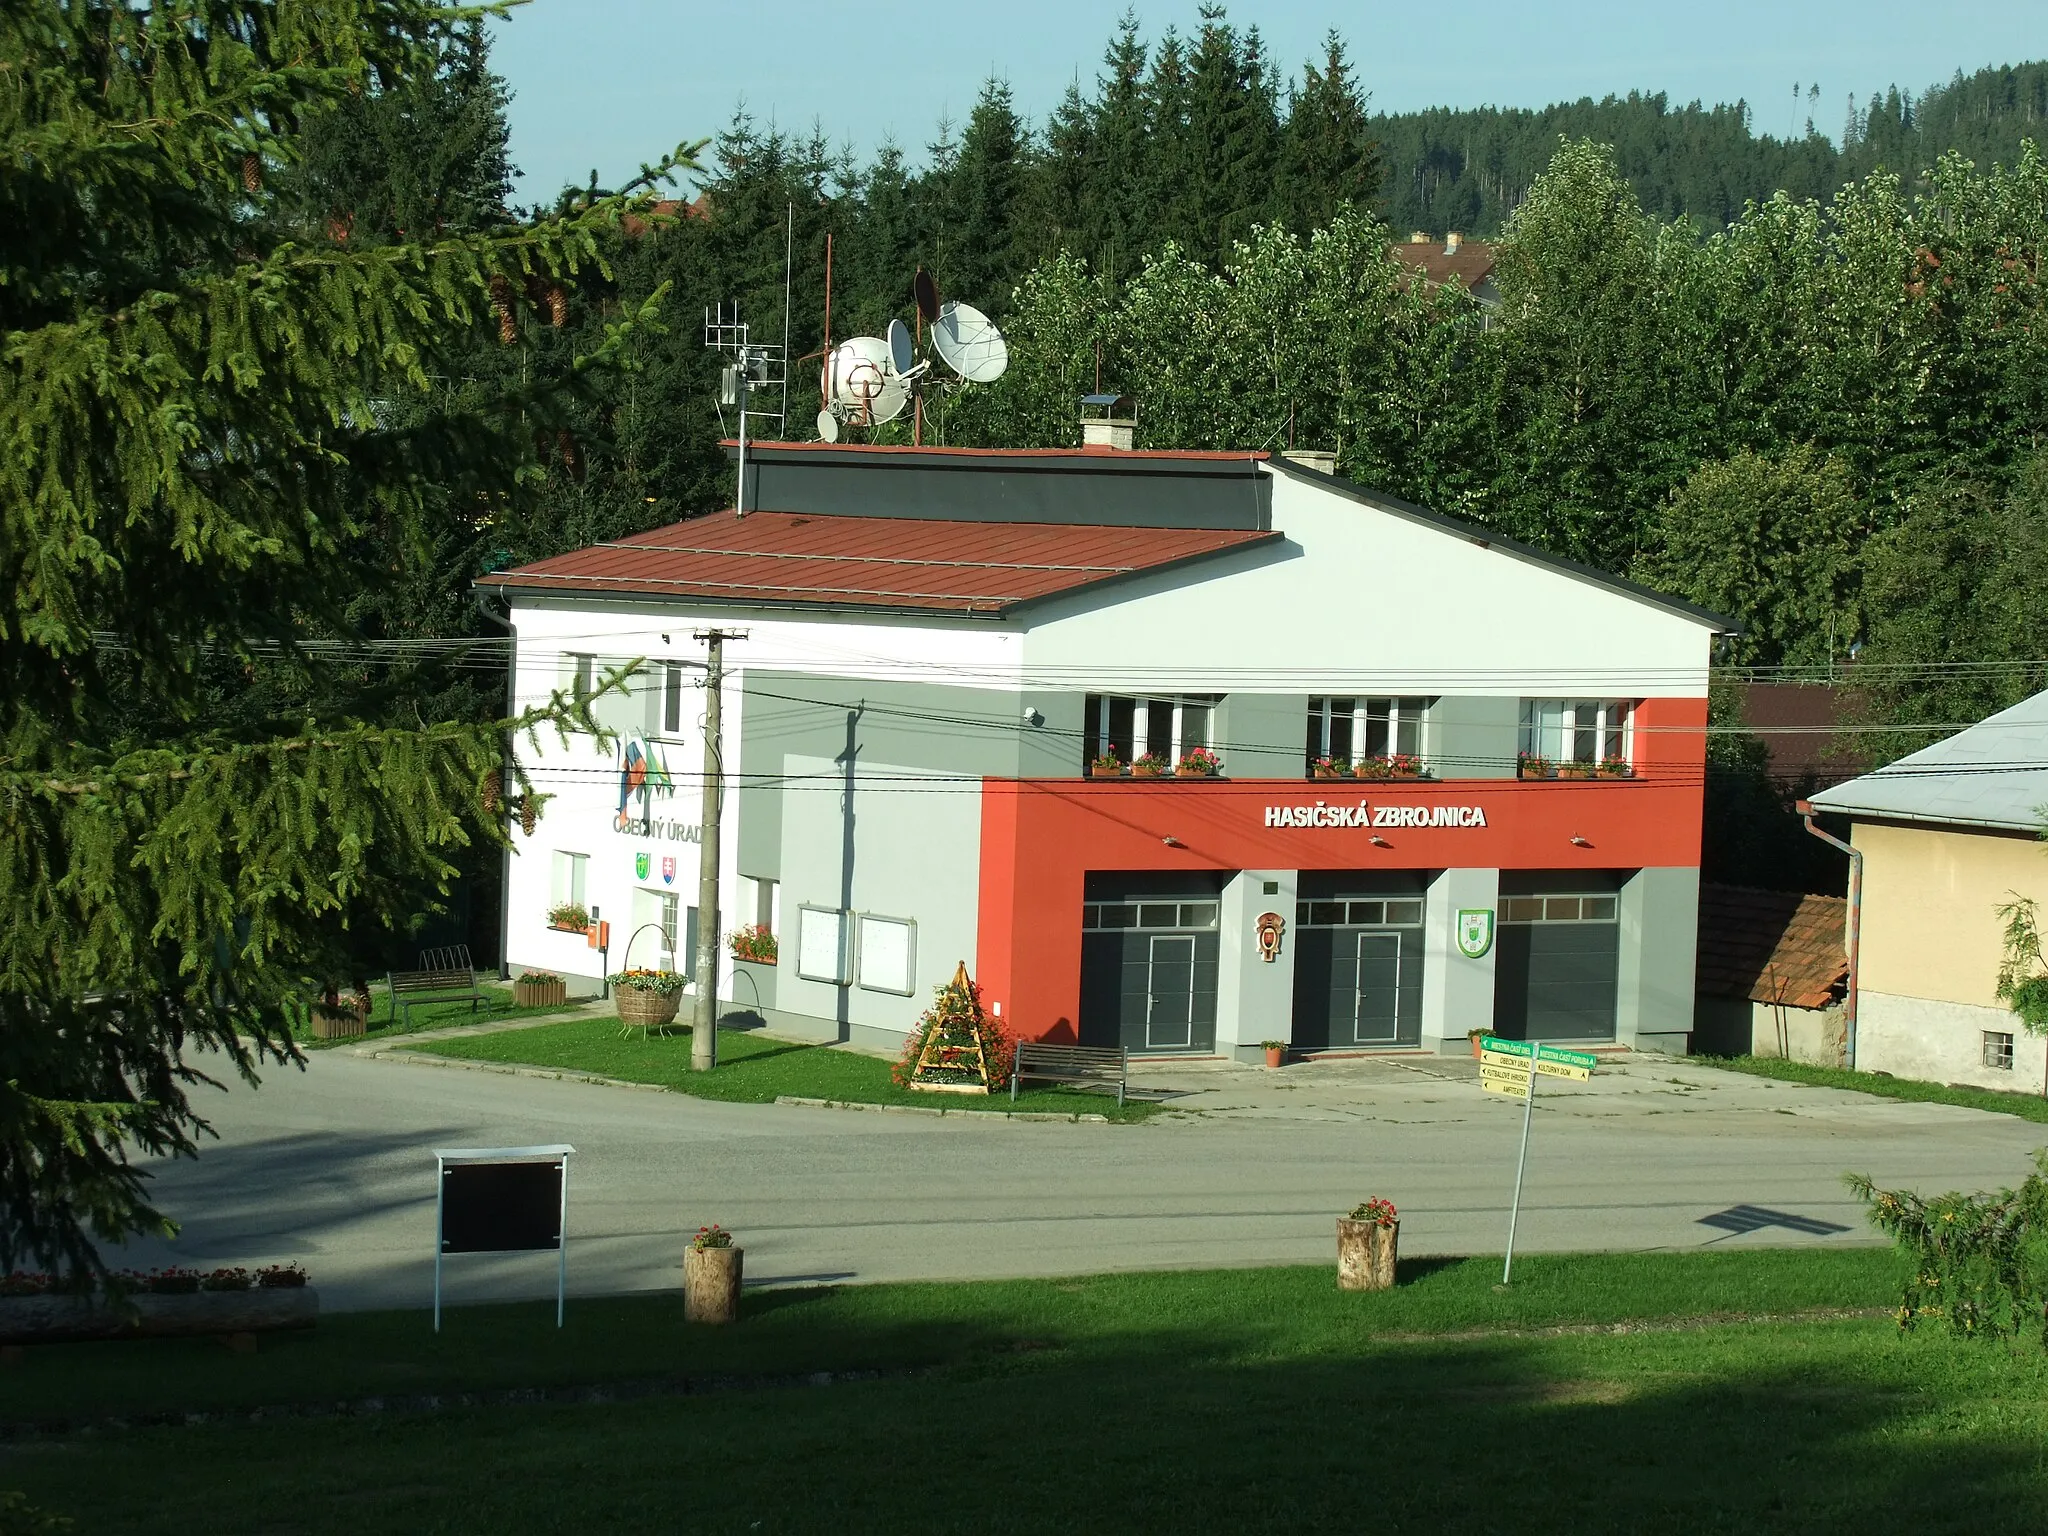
(754, 366)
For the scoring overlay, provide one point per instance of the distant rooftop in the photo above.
(1995, 774)
(1772, 946)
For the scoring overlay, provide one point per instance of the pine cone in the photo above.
(252, 174)
(558, 305)
(501, 301)
(529, 815)
(490, 793)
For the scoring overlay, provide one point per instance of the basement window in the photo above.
(1997, 1051)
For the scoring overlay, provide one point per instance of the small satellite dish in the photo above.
(968, 342)
(828, 427)
(902, 348)
(856, 374)
(889, 401)
(927, 293)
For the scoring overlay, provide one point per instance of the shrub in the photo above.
(280, 1277)
(1980, 1262)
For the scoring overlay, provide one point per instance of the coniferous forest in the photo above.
(1799, 382)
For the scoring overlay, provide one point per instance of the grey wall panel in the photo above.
(1263, 735)
(1660, 917)
(1474, 738)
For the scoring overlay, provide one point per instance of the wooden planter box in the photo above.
(539, 994)
(337, 1023)
(1366, 1253)
(711, 1284)
(64, 1319)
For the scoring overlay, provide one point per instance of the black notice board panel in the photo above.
(500, 1207)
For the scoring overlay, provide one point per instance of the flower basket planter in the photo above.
(1532, 768)
(64, 1319)
(337, 1023)
(711, 1284)
(1366, 1254)
(570, 927)
(641, 1009)
(539, 994)
(1147, 771)
(1575, 770)
(1329, 773)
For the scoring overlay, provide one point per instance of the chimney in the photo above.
(1418, 237)
(1313, 458)
(1451, 243)
(1109, 421)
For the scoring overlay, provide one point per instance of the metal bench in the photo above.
(1071, 1064)
(444, 975)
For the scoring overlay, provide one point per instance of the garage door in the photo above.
(1559, 959)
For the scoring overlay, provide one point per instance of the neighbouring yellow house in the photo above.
(1948, 834)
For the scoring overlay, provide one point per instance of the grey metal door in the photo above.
(1376, 1007)
(1170, 993)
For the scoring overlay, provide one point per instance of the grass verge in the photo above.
(1234, 1400)
(2026, 1106)
(752, 1069)
(431, 1015)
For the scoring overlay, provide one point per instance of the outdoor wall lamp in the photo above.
(1173, 842)
(1581, 842)
(1380, 842)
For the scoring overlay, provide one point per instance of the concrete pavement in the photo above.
(332, 1166)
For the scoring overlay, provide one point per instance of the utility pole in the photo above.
(704, 1024)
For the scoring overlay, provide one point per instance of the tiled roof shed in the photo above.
(780, 558)
(1771, 946)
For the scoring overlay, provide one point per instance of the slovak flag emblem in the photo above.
(668, 869)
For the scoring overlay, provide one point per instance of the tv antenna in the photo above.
(755, 367)
(869, 380)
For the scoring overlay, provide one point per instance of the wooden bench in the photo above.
(445, 975)
(1071, 1064)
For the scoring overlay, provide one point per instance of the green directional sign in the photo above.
(1526, 1049)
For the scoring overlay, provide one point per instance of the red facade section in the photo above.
(1040, 839)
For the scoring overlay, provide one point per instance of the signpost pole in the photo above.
(562, 1246)
(1522, 1162)
(440, 1213)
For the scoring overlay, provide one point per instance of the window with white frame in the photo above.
(570, 872)
(661, 692)
(1998, 1050)
(1578, 730)
(1130, 728)
(1348, 730)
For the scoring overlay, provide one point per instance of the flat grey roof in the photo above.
(1995, 774)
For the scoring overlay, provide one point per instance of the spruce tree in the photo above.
(201, 415)
(1328, 155)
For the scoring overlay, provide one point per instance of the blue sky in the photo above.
(608, 83)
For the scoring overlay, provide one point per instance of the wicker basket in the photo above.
(647, 1010)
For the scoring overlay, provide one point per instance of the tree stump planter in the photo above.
(647, 1010)
(337, 1023)
(711, 1284)
(539, 994)
(66, 1319)
(1366, 1252)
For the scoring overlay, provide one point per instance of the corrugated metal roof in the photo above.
(1995, 774)
(904, 563)
(1771, 946)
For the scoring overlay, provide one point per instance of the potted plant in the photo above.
(539, 989)
(647, 999)
(711, 1277)
(1615, 768)
(1368, 1243)
(1530, 766)
(754, 943)
(1475, 1036)
(1152, 765)
(1276, 1052)
(568, 918)
(1107, 766)
(1574, 770)
(341, 1013)
(1404, 765)
(1199, 763)
(1375, 767)
(1327, 768)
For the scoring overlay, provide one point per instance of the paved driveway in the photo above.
(332, 1166)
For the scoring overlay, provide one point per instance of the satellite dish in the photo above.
(889, 403)
(828, 427)
(856, 374)
(902, 348)
(968, 342)
(927, 293)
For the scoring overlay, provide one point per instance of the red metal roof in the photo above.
(869, 562)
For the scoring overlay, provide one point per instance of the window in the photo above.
(567, 888)
(1577, 730)
(1557, 909)
(579, 673)
(1346, 730)
(664, 946)
(664, 695)
(1198, 915)
(1401, 912)
(1130, 728)
(1997, 1051)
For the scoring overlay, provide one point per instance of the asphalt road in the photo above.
(332, 1166)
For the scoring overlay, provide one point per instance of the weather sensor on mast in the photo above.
(756, 367)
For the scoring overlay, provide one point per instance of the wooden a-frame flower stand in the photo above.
(954, 1043)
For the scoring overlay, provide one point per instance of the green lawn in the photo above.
(2028, 1106)
(1223, 1400)
(752, 1069)
(430, 1015)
